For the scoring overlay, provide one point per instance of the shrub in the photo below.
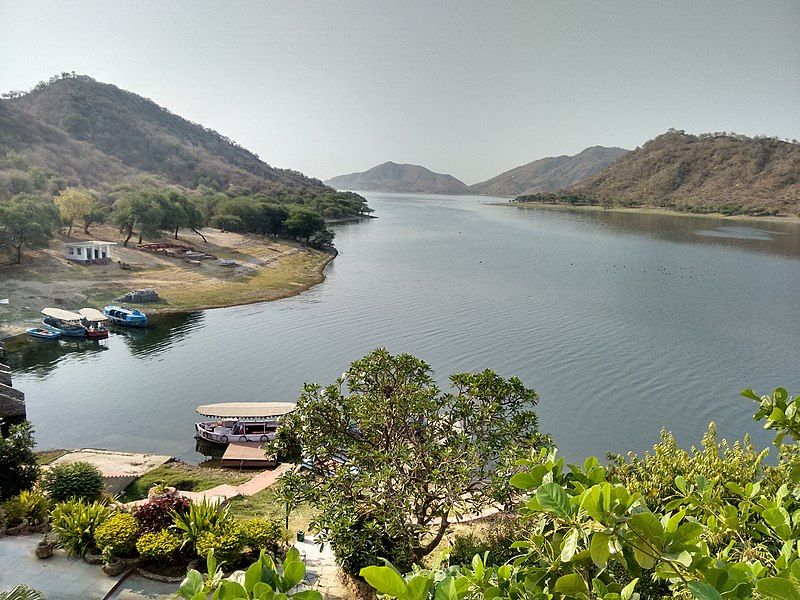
(73, 480)
(75, 523)
(496, 541)
(227, 223)
(117, 536)
(29, 506)
(18, 468)
(202, 517)
(160, 545)
(262, 534)
(157, 514)
(227, 541)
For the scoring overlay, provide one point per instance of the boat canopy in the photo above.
(92, 314)
(61, 315)
(246, 410)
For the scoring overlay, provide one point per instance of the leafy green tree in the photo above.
(302, 224)
(74, 205)
(140, 210)
(396, 459)
(590, 536)
(273, 217)
(27, 221)
(18, 467)
(97, 214)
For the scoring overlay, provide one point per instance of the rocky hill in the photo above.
(549, 174)
(726, 173)
(393, 177)
(97, 135)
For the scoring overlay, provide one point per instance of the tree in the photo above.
(27, 221)
(397, 459)
(140, 210)
(97, 214)
(302, 224)
(74, 205)
(18, 467)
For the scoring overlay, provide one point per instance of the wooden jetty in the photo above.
(247, 455)
(12, 401)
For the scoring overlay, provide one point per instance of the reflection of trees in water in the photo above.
(769, 237)
(161, 333)
(40, 357)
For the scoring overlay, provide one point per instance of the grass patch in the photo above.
(45, 457)
(264, 504)
(185, 477)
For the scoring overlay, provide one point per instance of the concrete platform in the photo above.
(245, 455)
(118, 468)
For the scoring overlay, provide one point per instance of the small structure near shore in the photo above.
(89, 251)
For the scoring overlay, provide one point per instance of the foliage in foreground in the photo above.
(591, 537)
(396, 459)
(75, 522)
(18, 467)
(73, 480)
(22, 592)
(116, 537)
(263, 580)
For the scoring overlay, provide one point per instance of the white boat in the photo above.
(241, 421)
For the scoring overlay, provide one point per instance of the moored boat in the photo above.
(125, 316)
(241, 421)
(40, 333)
(93, 320)
(65, 322)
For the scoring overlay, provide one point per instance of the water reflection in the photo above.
(781, 238)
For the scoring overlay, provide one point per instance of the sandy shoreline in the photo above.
(268, 269)
(649, 211)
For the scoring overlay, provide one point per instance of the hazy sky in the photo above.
(468, 88)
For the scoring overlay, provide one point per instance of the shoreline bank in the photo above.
(267, 270)
(649, 210)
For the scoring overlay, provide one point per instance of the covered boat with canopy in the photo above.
(241, 421)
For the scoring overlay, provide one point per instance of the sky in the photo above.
(466, 88)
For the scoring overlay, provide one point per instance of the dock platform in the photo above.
(246, 455)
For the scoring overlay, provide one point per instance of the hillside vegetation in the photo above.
(394, 177)
(727, 173)
(549, 174)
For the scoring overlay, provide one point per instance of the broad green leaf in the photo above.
(552, 498)
(569, 546)
(627, 591)
(252, 576)
(599, 549)
(778, 587)
(293, 573)
(572, 585)
(191, 585)
(702, 591)
(230, 590)
(418, 587)
(522, 481)
(386, 580)
(446, 590)
(307, 595)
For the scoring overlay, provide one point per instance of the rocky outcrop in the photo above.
(12, 401)
(140, 296)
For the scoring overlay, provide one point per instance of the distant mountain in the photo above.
(393, 177)
(97, 135)
(702, 173)
(549, 174)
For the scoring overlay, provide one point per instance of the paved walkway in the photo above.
(322, 572)
(63, 578)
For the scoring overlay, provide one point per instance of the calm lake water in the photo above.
(623, 323)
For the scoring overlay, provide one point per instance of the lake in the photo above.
(623, 323)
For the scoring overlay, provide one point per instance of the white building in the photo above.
(89, 251)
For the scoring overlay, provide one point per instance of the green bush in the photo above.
(73, 480)
(117, 536)
(161, 545)
(29, 506)
(202, 517)
(18, 468)
(496, 541)
(227, 223)
(263, 534)
(75, 522)
(226, 541)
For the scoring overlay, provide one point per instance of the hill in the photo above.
(549, 174)
(393, 177)
(728, 173)
(95, 135)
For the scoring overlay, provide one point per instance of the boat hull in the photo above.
(125, 317)
(76, 332)
(97, 334)
(40, 333)
(219, 438)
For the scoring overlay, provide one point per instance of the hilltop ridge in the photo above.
(395, 177)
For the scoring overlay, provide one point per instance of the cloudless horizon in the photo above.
(466, 88)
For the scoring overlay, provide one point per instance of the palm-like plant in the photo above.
(22, 592)
(201, 517)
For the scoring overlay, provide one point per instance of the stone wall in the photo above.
(12, 401)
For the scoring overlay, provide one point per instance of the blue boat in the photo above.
(125, 316)
(63, 322)
(40, 333)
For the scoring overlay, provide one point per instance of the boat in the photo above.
(125, 316)
(40, 333)
(241, 421)
(93, 320)
(65, 322)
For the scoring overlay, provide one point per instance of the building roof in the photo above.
(246, 410)
(90, 243)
